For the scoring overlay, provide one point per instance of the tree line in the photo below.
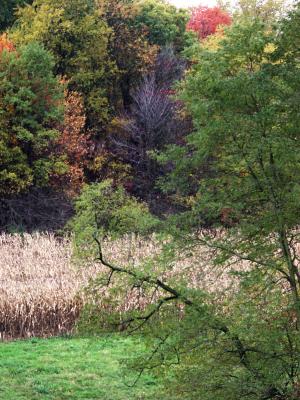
(87, 92)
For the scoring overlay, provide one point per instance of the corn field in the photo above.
(41, 290)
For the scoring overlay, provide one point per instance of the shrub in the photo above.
(105, 210)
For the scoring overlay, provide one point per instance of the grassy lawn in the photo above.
(73, 368)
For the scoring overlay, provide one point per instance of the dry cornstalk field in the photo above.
(41, 290)
(37, 286)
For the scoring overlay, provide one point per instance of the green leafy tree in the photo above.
(30, 106)
(268, 10)
(288, 45)
(166, 25)
(104, 210)
(241, 341)
(243, 100)
(78, 37)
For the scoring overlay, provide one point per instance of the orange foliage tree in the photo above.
(74, 144)
(5, 43)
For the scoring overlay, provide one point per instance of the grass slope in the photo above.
(73, 368)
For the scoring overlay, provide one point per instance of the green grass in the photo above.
(72, 369)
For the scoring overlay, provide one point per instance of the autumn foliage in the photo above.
(205, 21)
(73, 143)
(5, 43)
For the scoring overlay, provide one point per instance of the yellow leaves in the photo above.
(98, 162)
(33, 25)
(117, 124)
(213, 42)
(269, 48)
(109, 168)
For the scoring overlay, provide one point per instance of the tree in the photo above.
(205, 21)
(30, 99)
(169, 68)
(241, 342)
(128, 47)
(73, 144)
(150, 125)
(100, 54)
(244, 106)
(288, 44)
(106, 210)
(78, 37)
(164, 23)
(152, 122)
(267, 10)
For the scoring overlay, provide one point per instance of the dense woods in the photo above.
(174, 132)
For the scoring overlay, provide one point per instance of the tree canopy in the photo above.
(165, 24)
(78, 37)
(205, 21)
(30, 98)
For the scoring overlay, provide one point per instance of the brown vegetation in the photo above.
(41, 290)
(38, 286)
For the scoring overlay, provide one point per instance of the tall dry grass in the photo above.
(41, 290)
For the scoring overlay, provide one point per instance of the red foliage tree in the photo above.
(205, 21)
(5, 43)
